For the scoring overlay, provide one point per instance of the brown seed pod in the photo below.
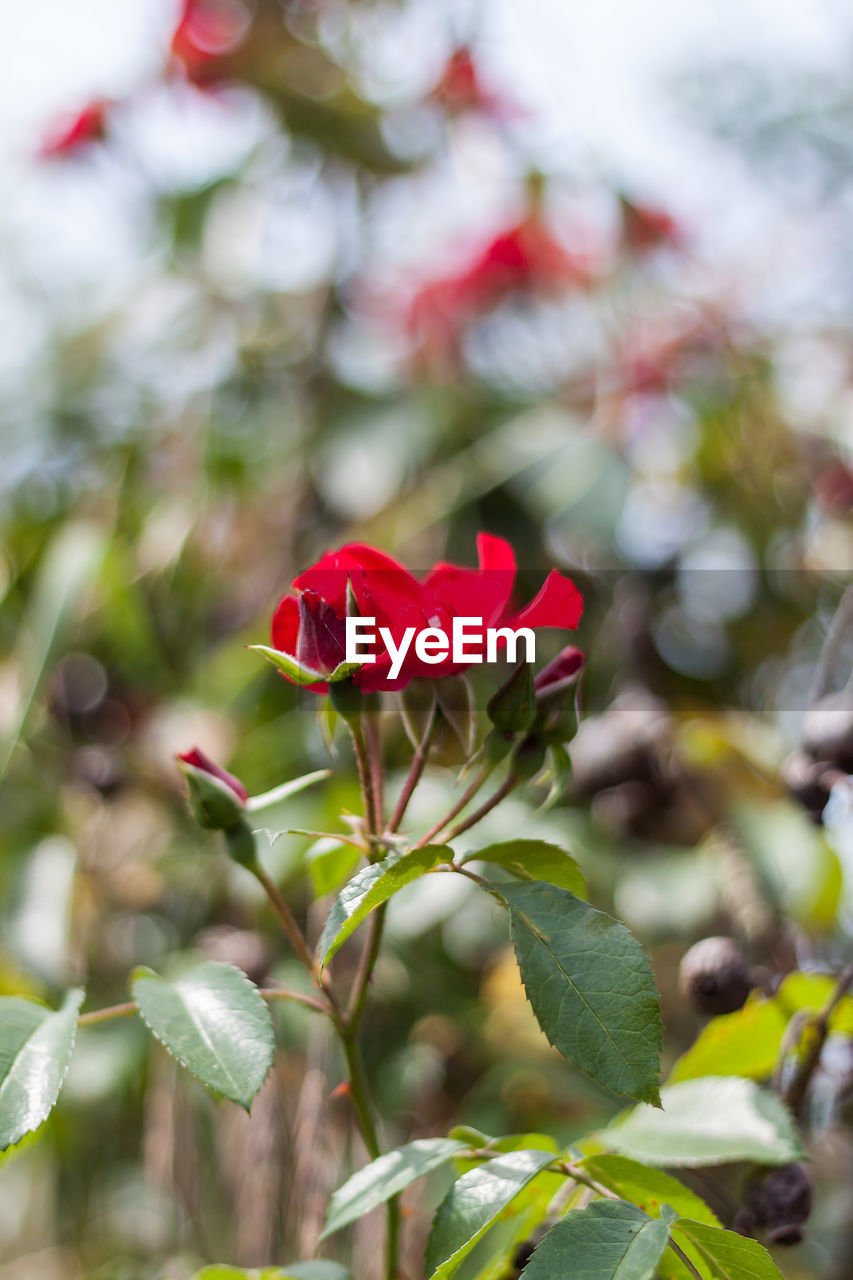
(714, 976)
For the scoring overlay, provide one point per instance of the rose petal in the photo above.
(558, 603)
(198, 759)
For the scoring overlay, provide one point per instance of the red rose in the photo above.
(309, 627)
(88, 126)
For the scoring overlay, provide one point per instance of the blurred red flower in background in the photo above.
(208, 30)
(77, 132)
(310, 626)
(526, 258)
(645, 227)
(461, 87)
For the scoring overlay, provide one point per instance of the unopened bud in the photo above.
(217, 798)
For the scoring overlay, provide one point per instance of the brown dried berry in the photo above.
(828, 730)
(806, 780)
(778, 1201)
(714, 976)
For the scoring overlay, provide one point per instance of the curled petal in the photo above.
(558, 603)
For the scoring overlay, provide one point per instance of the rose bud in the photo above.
(714, 976)
(778, 1201)
(559, 674)
(217, 798)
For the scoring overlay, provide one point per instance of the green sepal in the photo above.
(513, 708)
(240, 843)
(215, 805)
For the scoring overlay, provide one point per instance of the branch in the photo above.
(795, 1094)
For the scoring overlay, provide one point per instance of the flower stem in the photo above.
(106, 1015)
(465, 799)
(508, 784)
(415, 773)
(295, 935)
(362, 758)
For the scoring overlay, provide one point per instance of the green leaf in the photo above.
(372, 886)
(606, 1240)
(287, 789)
(649, 1189)
(811, 991)
(213, 1020)
(35, 1050)
(710, 1121)
(743, 1043)
(534, 860)
(590, 985)
(330, 863)
(474, 1203)
(724, 1255)
(385, 1177)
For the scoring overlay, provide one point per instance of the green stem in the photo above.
(508, 784)
(465, 799)
(362, 759)
(415, 772)
(373, 744)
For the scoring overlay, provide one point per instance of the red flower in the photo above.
(207, 30)
(559, 673)
(197, 759)
(525, 258)
(461, 88)
(88, 126)
(309, 627)
(645, 227)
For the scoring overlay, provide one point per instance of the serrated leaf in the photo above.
(283, 792)
(710, 1121)
(473, 1204)
(385, 1177)
(606, 1240)
(534, 860)
(214, 1021)
(35, 1049)
(649, 1189)
(369, 888)
(724, 1255)
(743, 1043)
(590, 986)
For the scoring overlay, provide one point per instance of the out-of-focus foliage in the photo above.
(293, 330)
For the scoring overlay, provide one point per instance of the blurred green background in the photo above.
(310, 270)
